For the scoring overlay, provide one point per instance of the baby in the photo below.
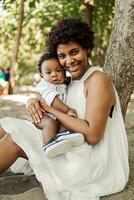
(52, 87)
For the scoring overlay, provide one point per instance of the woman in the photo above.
(99, 166)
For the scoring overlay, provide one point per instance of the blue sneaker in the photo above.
(55, 148)
(76, 139)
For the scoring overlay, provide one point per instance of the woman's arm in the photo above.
(100, 97)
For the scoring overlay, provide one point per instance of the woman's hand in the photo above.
(45, 107)
(72, 113)
(34, 110)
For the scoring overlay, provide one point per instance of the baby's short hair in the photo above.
(46, 56)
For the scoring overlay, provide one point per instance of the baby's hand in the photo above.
(72, 113)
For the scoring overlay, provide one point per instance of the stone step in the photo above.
(15, 184)
(32, 194)
(20, 187)
(23, 187)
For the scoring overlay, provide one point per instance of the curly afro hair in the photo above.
(71, 30)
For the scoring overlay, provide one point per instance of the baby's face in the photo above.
(52, 72)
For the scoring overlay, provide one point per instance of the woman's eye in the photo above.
(48, 72)
(75, 52)
(61, 56)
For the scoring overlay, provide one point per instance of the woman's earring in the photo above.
(88, 52)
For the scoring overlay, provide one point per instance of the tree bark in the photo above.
(119, 62)
(89, 11)
(14, 61)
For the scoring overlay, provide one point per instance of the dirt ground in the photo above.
(14, 106)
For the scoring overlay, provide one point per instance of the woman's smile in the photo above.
(73, 67)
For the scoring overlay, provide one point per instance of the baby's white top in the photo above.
(49, 91)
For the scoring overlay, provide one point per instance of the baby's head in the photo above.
(50, 69)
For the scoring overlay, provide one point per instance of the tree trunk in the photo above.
(14, 61)
(119, 63)
(88, 12)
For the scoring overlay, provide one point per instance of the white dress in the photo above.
(86, 172)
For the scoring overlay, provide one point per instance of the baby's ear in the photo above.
(41, 75)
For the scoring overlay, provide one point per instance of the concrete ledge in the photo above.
(22, 187)
(15, 184)
(37, 194)
(33, 194)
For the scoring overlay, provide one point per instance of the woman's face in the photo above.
(73, 58)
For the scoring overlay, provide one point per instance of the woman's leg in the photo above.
(2, 132)
(9, 151)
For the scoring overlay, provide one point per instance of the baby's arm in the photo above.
(59, 105)
(50, 95)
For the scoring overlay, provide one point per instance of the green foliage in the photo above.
(39, 17)
(26, 73)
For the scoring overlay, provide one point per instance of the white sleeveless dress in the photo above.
(85, 172)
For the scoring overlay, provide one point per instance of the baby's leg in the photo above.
(49, 128)
(61, 128)
(51, 146)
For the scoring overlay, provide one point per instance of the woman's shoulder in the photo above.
(98, 77)
(100, 83)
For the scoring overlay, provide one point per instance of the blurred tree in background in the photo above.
(102, 23)
(39, 17)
